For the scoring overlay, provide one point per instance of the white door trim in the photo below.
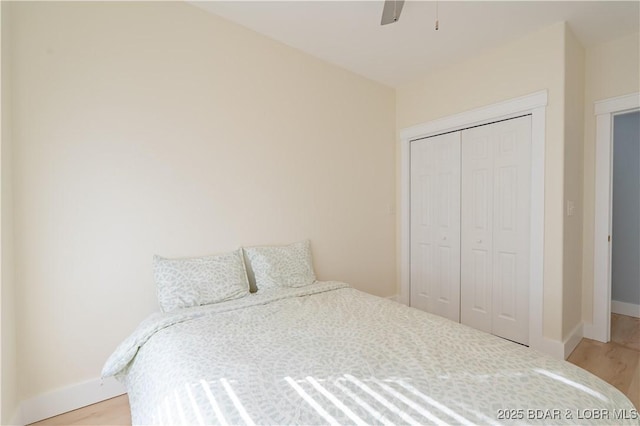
(534, 104)
(604, 110)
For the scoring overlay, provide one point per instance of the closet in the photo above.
(470, 213)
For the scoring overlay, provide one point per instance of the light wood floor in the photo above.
(114, 411)
(616, 362)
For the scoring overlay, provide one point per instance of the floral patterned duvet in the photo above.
(329, 354)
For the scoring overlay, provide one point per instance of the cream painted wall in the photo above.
(8, 343)
(611, 69)
(524, 66)
(573, 178)
(145, 128)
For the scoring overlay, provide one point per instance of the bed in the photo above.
(326, 353)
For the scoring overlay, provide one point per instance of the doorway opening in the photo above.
(625, 215)
(606, 112)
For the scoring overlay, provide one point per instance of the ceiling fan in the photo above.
(391, 11)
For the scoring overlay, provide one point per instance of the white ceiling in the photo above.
(349, 34)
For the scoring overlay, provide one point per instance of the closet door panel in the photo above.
(511, 223)
(476, 229)
(435, 225)
(495, 228)
(422, 213)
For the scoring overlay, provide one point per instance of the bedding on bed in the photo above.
(194, 281)
(329, 354)
(281, 266)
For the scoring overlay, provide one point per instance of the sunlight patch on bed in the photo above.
(375, 413)
(183, 420)
(382, 400)
(159, 415)
(335, 401)
(167, 407)
(426, 413)
(434, 403)
(569, 382)
(236, 402)
(311, 401)
(485, 419)
(214, 403)
(194, 405)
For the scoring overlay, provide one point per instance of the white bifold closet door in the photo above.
(495, 228)
(435, 225)
(470, 215)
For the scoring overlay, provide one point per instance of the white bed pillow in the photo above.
(281, 266)
(187, 282)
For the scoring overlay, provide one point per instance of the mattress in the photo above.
(330, 354)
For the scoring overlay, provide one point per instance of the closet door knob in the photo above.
(479, 241)
(444, 238)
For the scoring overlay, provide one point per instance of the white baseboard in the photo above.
(573, 339)
(624, 308)
(560, 349)
(68, 398)
(548, 346)
(393, 297)
(595, 332)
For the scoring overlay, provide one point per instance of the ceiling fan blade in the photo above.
(391, 11)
